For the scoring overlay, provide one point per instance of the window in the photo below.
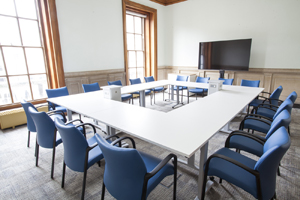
(140, 43)
(135, 45)
(27, 66)
(22, 64)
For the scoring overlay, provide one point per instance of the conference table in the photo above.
(182, 131)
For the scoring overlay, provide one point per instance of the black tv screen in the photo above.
(225, 55)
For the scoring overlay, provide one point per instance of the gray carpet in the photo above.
(20, 179)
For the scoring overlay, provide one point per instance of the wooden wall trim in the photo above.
(92, 73)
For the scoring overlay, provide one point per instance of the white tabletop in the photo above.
(182, 131)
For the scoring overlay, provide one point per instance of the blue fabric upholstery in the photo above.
(260, 124)
(151, 79)
(79, 153)
(200, 90)
(46, 136)
(124, 97)
(228, 81)
(138, 81)
(250, 83)
(125, 170)
(30, 123)
(257, 178)
(265, 110)
(51, 93)
(273, 98)
(90, 87)
(181, 78)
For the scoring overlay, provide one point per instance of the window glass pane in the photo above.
(130, 41)
(138, 25)
(39, 86)
(140, 59)
(15, 61)
(140, 73)
(35, 60)
(9, 35)
(4, 92)
(129, 23)
(7, 7)
(30, 32)
(2, 70)
(138, 42)
(20, 88)
(131, 59)
(26, 8)
(132, 73)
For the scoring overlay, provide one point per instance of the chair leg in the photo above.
(37, 154)
(163, 94)
(52, 166)
(278, 171)
(83, 184)
(220, 181)
(204, 185)
(182, 96)
(154, 96)
(28, 142)
(63, 175)
(175, 179)
(103, 191)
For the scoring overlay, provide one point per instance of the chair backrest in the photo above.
(149, 79)
(118, 82)
(228, 81)
(135, 81)
(267, 165)
(286, 105)
(90, 87)
(51, 93)
(30, 123)
(202, 79)
(124, 170)
(75, 145)
(250, 83)
(182, 78)
(45, 128)
(282, 119)
(293, 96)
(275, 95)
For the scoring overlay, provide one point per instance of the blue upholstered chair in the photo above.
(130, 174)
(200, 90)
(157, 89)
(228, 81)
(272, 99)
(249, 83)
(30, 123)
(90, 87)
(181, 78)
(261, 123)
(255, 177)
(269, 110)
(124, 97)
(46, 133)
(79, 153)
(138, 81)
(51, 93)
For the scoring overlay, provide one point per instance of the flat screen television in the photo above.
(225, 55)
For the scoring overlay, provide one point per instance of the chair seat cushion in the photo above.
(197, 90)
(58, 116)
(146, 92)
(266, 112)
(257, 125)
(59, 108)
(157, 89)
(151, 162)
(246, 144)
(256, 102)
(232, 173)
(126, 97)
(180, 87)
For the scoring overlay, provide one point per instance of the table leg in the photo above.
(110, 130)
(172, 92)
(203, 158)
(69, 114)
(142, 98)
(177, 93)
(226, 128)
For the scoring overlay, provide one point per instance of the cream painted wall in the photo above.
(91, 34)
(273, 26)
